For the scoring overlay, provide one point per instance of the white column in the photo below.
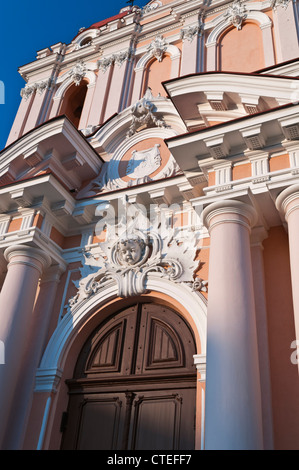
(233, 402)
(288, 203)
(17, 298)
(257, 237)
(36, 343)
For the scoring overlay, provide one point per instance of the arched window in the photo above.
(73, 102)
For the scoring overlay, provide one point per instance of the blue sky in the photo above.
(27, 27)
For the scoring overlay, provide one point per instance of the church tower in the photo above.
(149, 258)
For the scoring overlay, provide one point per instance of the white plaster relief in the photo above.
(236, 13)
(129, 256)
(158, 47)
(78, 72)
(279, 3)
(190, 32)
(143, 113)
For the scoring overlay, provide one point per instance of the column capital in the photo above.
(52, 273)
(31, 256)
(229, 210)
(288, 200)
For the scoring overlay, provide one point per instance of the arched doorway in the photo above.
(134, 384)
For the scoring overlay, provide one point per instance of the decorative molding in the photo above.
(151, 7)
(279, 3)
(143, 114)
(39, 87)
(45, 85)
(158, 47)
(148, 160)
(236, 13)
(27, 91)
(131, 255)
(104, 64)
(190, 32)
(47, 380)
(118, 59)
(78, 72)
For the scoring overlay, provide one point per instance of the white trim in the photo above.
(172, 50)
(67, 82)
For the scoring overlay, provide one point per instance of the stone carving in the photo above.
(42, 86)
(143, 113)
(39, 87)
(89, 130)
(190, 32)
(129, 257)
(279, 3)
(105, 63)
(236, 13)
(117, 59)
(27, 91)
(143, 163)
(109, 182)
(158, 47)
(121, 57)
(151, 7)
(77, 73)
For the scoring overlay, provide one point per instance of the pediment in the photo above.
(206, 99)
(132, 145)
(55, 147)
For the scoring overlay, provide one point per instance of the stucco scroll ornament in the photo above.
(143, 113)
(158, 47)
(77, 73)
(127, 261)
(236, 13)
(190, 32)
(27, 91)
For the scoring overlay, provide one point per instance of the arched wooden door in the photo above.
(134, 384)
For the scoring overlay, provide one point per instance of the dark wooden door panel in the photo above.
(134, 384)
(163, 420)
(100, 424)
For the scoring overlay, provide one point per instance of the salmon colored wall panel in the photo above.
(281, 333)
(212, 178)
(242, 50)
(15, 225)
(241, 171)
(38, 220)
(71, 242)
(56, 236)
(279, 163)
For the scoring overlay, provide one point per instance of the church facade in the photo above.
(149, 260)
